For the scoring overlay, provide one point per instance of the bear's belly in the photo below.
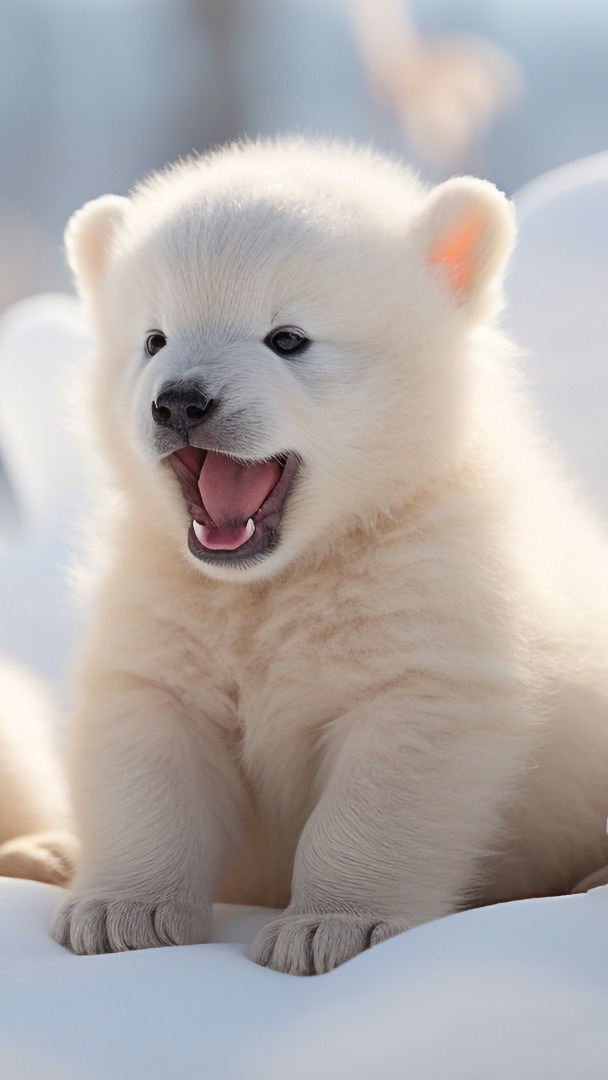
(285, 726)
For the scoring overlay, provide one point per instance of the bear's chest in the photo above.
(307, 657)
(278, 666)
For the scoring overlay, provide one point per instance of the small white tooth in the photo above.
(250, 528)
(198, 531)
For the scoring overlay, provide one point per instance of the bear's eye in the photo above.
(155, 342)
(287, 341)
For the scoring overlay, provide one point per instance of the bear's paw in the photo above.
(90, 924)
(316, 944)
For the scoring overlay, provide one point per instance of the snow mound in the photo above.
(557, 310)
(518, 990)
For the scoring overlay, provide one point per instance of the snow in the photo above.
(514, 991)
(43, 343)
(557, 309)
(518, 990)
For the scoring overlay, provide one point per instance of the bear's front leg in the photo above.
(407, 808)
(156, 803)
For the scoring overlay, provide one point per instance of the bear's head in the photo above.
(283, 332)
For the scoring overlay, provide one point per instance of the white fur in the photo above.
(34, 841)
(401, 710)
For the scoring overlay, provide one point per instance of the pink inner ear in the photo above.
(456, 254)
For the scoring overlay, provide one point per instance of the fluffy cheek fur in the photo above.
(405, 376)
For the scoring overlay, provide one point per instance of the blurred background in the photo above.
(96, 93)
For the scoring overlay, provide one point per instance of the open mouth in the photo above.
(236, 506)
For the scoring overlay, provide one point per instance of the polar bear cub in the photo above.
(348, 655)
(35, 841)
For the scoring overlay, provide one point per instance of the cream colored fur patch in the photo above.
(348, 652)
(34, 837)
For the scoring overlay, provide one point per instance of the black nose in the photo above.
(181, 406)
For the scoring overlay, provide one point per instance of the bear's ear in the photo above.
(467, 229)
(88, 238)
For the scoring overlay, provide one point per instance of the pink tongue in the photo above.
(231, 494)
